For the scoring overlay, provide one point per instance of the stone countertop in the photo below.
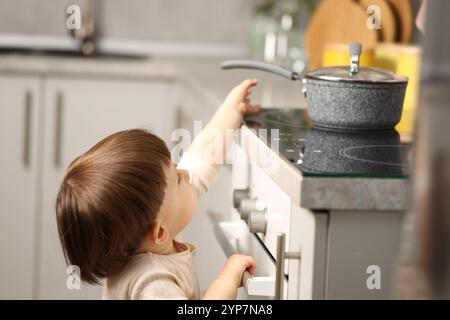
(204, 75)
(61, 66)
(326, 193)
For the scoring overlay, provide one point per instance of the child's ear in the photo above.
(159, 233)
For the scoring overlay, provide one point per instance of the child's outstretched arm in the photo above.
(209, 149)
(212, 143)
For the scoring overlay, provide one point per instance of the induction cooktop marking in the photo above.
(343, 153)
(285, 119)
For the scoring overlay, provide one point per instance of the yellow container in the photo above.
(336, 54)
(404, 60)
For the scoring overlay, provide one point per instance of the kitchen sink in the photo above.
(71, 54)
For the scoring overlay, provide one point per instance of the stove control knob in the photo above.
(238, 195)
(257, 221)
(246, 206)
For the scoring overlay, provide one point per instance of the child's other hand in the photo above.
(235, 267)
(239, 98)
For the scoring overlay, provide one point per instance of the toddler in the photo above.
(123, 203)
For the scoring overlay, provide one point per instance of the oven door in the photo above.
(276, 205)
(260, 202)
(235, 238)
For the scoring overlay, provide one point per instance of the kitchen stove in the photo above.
(319, 152)
(300, 251)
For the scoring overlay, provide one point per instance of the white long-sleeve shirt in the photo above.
(172, 276)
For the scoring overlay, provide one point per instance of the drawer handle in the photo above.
(271, 286)
(58, 129)
(259, 286)
(27, 129)
(255, 286)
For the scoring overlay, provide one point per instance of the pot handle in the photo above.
(259, 65)
(355, 52)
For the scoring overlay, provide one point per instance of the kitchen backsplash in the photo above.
(174, 20)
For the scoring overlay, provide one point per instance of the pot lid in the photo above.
(365, 74)
(355, 73)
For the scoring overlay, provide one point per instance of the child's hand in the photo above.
(239, 98)
(230, 278)
(234, 268)
(228, 117)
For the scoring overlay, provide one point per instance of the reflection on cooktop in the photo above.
(331, 153)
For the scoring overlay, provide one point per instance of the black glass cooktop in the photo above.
(318, 152)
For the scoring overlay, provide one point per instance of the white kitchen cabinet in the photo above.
(78, 113)
(19, 132)
(362, 251)
(343, 252)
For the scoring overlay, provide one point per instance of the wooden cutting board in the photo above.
(337, 21)
(405, 19)
(388, 31)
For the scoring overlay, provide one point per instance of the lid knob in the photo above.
(355, 52)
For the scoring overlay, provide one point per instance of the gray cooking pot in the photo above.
(345, 97)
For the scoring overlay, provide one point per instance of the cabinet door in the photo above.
(19, 110)
(78, 113)
(362, 252)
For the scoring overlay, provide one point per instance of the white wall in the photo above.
(169, 20)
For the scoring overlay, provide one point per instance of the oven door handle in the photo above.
(255, 286)
(282, 256)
